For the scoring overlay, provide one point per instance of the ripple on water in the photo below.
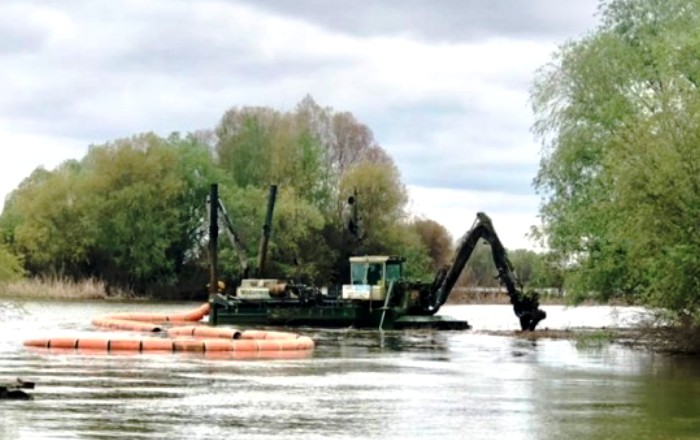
(357, 384)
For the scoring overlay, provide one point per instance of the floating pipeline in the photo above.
(212, 355)
(292, 343)
(227, 333)
(149, 322)
(123, 324)
(205, 332)
(191, 338)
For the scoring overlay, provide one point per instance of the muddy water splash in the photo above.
(357, 384)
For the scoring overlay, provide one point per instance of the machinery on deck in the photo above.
(378, 295)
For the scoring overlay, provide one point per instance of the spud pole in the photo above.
(213, 238)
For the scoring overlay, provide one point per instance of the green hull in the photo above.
(325, 314)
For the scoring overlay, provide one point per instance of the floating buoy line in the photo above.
(183, 335)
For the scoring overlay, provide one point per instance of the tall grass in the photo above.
(57, 288)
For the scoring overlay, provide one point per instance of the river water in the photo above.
(355, 384)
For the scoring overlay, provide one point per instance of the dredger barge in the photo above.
(377, 295)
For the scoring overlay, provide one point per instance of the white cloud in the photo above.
(22, 153)
(512, 215)
(447, 101)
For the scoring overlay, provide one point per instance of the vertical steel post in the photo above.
(267, 230)
(213, 238)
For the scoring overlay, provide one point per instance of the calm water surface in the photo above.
(356, 384)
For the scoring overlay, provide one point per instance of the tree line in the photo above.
(617, 113)
(132, 212)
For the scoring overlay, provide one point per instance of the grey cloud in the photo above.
(448, 20)
(441, 143)
(132, 62)
(133, 59)
(450, 125)
(506, 178)
(18, 34)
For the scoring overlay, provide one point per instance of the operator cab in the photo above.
(371, 275)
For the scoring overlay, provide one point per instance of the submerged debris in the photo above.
(13, 390)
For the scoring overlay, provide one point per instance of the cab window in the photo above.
(393, 271)
(374, 274)
(358, 273)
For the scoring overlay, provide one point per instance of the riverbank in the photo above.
(501, 297)
(666, 340)
(59, 289)
(93, 289)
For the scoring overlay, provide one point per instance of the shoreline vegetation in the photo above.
(61, 289)
(58, 288)
(670, 340)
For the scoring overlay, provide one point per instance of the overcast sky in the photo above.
(443, 84)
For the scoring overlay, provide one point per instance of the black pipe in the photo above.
(213, 238)
(267, 230)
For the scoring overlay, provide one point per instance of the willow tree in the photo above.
(311, 153)
(437, 240)
(617, 114)
(383, 223)
(382, 198)
(10, 265)
(147, 194)
(307, 149)
(47, 221)
(130, 212)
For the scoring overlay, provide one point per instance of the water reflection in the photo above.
(356, 384)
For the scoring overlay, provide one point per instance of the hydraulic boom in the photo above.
(526, 307)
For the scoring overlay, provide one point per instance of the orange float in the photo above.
(177, 344)
(189, 339)
(205, 332)
(123, 324)
(146, 322)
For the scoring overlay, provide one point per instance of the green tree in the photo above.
(10, 265)
(616, 112)
(480, 270)
(437, 240)
(246, 144)
(524, 264)
(147, 198)
(49, 223)
(130, 212)
(382, 198)
(308, 149)
(299, 249)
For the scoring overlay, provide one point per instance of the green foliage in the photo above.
(533, 269)
(594, 339)
(404, 240)
(246, 209)
(128, 213)
(437, 240)
(132, 212)
(51, 223)
(10, 265)
(299, 250)
(480, 269)
(135, 189)
(247, 144)
(547, 271)
(616, 112)
(537, 270)
(382, 198)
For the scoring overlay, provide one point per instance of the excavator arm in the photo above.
(526, 307)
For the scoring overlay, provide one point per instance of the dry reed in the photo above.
(57, 288)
